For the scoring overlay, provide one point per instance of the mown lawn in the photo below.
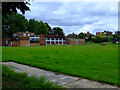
(11, 79)
(87, 61)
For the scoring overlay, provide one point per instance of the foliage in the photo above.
(18, 23)
(81, 35)
(32, 25)
(11, 79)
(58, 30)
(99, 39)
(109, 38)
(11, 7)
(42, 28)
(49, 29)
(37, 27)
(115, 36)
(89, 61)
(14, 23)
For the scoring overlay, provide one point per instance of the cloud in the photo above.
(77, 16)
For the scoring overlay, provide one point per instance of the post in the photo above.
(29, 41)
(58, 41)
(6, 42)
(46, 41)
(11, 43)
(62, 41)
(54, 40)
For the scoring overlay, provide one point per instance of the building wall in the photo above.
(24, 42)
(21, 34)
(19, 43)
(4, 41)
(76, 41)
(42, 40)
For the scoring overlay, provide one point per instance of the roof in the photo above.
(53, 36)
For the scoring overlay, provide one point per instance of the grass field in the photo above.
(87, 61)
(11, 79)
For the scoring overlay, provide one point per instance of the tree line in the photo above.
(96, 38)
(18, 23)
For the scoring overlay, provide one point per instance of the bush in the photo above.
(100, 39)
(97, 39)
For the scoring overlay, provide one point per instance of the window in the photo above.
(34, 40)
(28, 34)
(48, 38)
(32, 34)
(52, 38)
(15, 34)
(60, 38)
(24, 34)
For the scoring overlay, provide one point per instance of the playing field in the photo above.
(87, 61)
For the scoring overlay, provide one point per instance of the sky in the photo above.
(76, 16)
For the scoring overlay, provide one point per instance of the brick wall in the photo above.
(42, 40)
(24, 42)
(79, 41)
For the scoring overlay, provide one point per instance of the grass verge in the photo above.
(11, 79)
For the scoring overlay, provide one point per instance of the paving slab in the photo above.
(60, 79)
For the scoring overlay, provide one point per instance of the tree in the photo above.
(8, 9)
(14, 23)
(11, 7)
(33, 26)
(81, 35)
(98, 39)
(49, 29)
(58, 30)
(37, 27)
(42, 28)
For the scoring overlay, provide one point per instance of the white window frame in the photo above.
(24, 34)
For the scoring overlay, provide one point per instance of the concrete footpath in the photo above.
(60, 79)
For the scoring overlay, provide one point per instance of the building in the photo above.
(72, 35)
(88, 35)
(75, 41)
(106, 33)
(18, 39)
(48, 40)
(29, 39)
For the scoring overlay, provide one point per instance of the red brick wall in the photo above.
(42, 40)
(73, 41)
(24, 42)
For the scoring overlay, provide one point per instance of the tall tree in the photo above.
(8, 9)
(11, 7)
(33, 26)
(42, 28)
(37, 27)
(58, 30)
(14, 23)
(49, 29)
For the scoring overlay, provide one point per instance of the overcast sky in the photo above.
(76, 16)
